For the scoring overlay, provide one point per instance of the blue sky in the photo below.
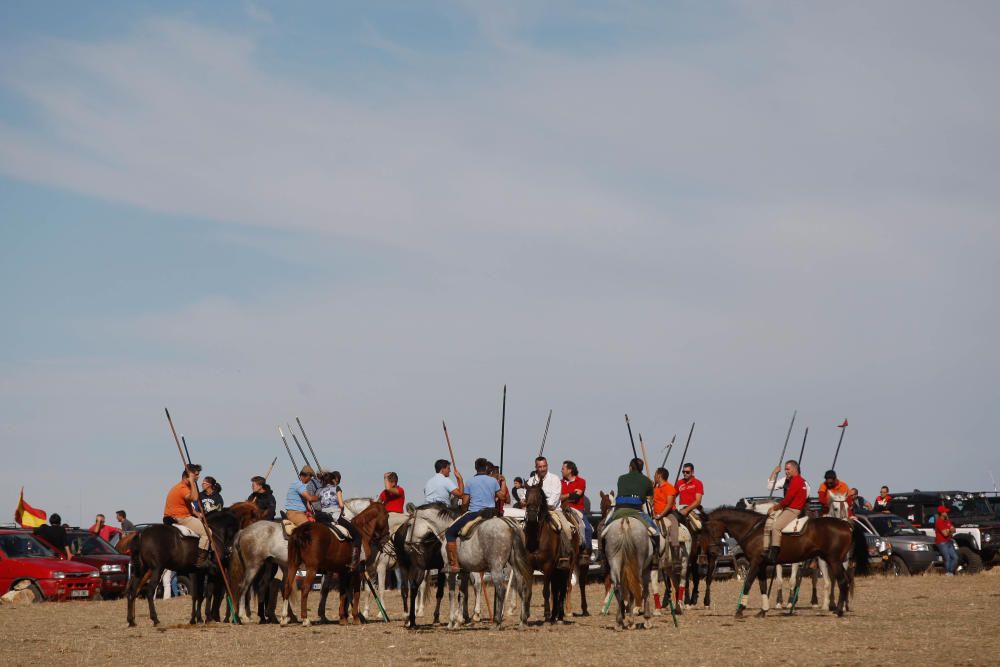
(373, 216)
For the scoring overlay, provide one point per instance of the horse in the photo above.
(494, 543)
(318, 550)
(259, 550)
(542, 544)
(415, 560)
(628, 553)
(827, 538)
(161, 547)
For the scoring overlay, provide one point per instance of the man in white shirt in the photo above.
(552, 488)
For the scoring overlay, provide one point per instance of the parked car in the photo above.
(912, 550)
(26, 563)
(93, 550)
(977, 531)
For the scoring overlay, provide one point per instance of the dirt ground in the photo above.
(917, 621)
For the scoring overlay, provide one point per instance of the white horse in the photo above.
(629, 554)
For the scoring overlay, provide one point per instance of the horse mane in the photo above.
(443, 511)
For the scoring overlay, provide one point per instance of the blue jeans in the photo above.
(588, 532)
(452, 533)
(949, 554)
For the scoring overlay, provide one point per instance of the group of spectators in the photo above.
(54, 532)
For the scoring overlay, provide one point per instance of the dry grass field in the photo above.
(914, 621)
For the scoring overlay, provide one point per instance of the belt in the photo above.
(628, 500)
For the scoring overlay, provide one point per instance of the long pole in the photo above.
(781, 458)
(295, 468)
(628, 425)
(301, 451)
(451, 452)
(204, 522)
(185, 443)
(308, 444)
(270, 468)
(545, 434)
(802, 451)
(684, 455)
(669, 448)
(843, 430)
(503, 425)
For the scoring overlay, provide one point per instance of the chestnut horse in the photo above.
(824, 537)
(542, 543)
(315, 547)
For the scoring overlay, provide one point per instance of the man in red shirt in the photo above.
(573, 488)
(103, 529)
(690, 491)
(944, 532)
(393, 497)
(783, 513)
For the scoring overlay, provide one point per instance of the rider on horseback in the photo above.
(552, 487)
(440, 488)
(690, 491)
(181, 506)
(784, 512)
(834, 495)
(298, 495)
(573, 489)
(331, 502)
(664, 510)
(483, 491)
(262, 495)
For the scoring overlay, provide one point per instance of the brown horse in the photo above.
(542, 543)
(582, 570)
(314, 547)
(826, 538)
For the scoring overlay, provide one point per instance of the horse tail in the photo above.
(631, 576)
(237, 566)
(519, 554)
(296, 543)
(399, 544)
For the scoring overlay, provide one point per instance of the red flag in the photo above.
(844, 425)
(28, 516)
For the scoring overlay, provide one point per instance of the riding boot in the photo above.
(203, 561)
(452, 557)
(656, 543)
(772, 554)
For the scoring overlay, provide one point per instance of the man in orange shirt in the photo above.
(664, 515)
(834, 495)
(179, 506)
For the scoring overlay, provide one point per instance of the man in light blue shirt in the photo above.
(298, 495)
(483, 491)
(440, 488)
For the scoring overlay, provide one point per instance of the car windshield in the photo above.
(85, 544)
(24, 546)
(893, 525)
(970, 507)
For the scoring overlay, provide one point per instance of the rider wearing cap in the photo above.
(483, 492)
(299, 494)
(784, 512)
(834, 496)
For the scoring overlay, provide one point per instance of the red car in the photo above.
(27, 563)
(92, 550)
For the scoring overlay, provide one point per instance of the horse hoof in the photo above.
(761, 614)
(306, 623)
(777, 605)
(131, 624)
(581, 614)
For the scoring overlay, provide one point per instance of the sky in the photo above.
(374, 215)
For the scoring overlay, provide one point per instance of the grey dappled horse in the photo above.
(629, 554)
(251, 549)
(494, 544)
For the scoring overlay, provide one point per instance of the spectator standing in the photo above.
(101, 528)
(881, 503)
(944, 532)
(127, 526)
(55, 534)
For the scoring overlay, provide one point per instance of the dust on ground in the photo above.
(916, 620)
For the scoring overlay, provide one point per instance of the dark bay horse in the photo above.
(314, 547)
(826, 538)
(542, 543)
(161, 547)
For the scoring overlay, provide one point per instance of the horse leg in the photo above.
(838, 572)
(647, 610)
(453, 610)
(355, 582)
(135, 585)
(581, 582)
(546, 592)
(324, 596)
(752, 573)
(421, 593)
(477, 581)
(439, 596)
(779, 579)
(765, 602)
(499, 592)
(304, 593)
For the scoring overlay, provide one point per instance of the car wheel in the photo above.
(898, 567)
(969, 561)
(29, 586)
(183, 585)
(741, 566)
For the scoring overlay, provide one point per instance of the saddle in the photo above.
(796, 526)
(469, 527)
(185, 531)
(338, 531)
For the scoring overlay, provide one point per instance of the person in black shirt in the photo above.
(210, 496)
(55, 534)
(263, 496)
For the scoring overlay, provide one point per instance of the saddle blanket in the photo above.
(185, 531)
(338, 531)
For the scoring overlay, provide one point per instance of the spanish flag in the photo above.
(28, 516)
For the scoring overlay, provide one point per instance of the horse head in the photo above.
(607, 503)
(536, 507)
